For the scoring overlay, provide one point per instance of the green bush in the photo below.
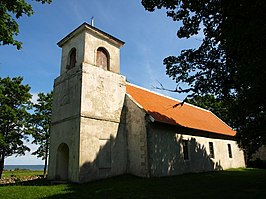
(258, 163)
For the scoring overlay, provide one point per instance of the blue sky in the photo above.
(149, 38)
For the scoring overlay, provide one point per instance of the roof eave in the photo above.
(208, 133)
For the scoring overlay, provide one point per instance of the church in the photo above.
(103, 126)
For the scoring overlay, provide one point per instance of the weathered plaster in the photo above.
(166, 154)
(137, 140)
(88, 110)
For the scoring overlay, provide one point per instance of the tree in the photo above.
(14, 103)
(229, 64)
(9, 28)
(40, 126)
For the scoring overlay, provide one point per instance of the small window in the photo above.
(185, 149)
(229, 150)
(102, 58)
(211, 150)
(72, 59)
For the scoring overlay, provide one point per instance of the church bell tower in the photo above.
(88, 138)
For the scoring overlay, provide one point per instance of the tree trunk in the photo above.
(46, 158)
(45, 166)
(2, 158)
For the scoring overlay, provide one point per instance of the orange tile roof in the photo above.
(161, 109)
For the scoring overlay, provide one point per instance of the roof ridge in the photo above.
(203, 109)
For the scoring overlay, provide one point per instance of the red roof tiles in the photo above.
(161, 109)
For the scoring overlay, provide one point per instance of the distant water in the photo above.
(28, 167)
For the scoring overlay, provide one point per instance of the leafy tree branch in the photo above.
(10, 11)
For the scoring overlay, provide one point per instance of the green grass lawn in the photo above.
(235, 183)
(20, 173)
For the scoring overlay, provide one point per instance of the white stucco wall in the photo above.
(65, 123)
(88, 114)
(93, 42)
(166, 152)
(103, 93)
(65, 132)
(78, 42)
(137, 139)
(102, 135)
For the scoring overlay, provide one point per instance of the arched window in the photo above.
(72, 58)
(102, 58)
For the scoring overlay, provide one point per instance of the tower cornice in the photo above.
(85, 26)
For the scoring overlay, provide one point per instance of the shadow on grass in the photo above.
(241, 183)
(236, 183)
(245, 183)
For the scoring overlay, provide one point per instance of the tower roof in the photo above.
(171, 111)
(86, 26)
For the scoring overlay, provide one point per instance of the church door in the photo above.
(62, 161)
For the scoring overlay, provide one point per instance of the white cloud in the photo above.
(34, 98)
(27, 159)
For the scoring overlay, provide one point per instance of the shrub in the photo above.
(258, 163)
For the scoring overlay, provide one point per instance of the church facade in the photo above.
(103, 126)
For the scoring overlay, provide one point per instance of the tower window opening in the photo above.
(72, 58)
(103, 58)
